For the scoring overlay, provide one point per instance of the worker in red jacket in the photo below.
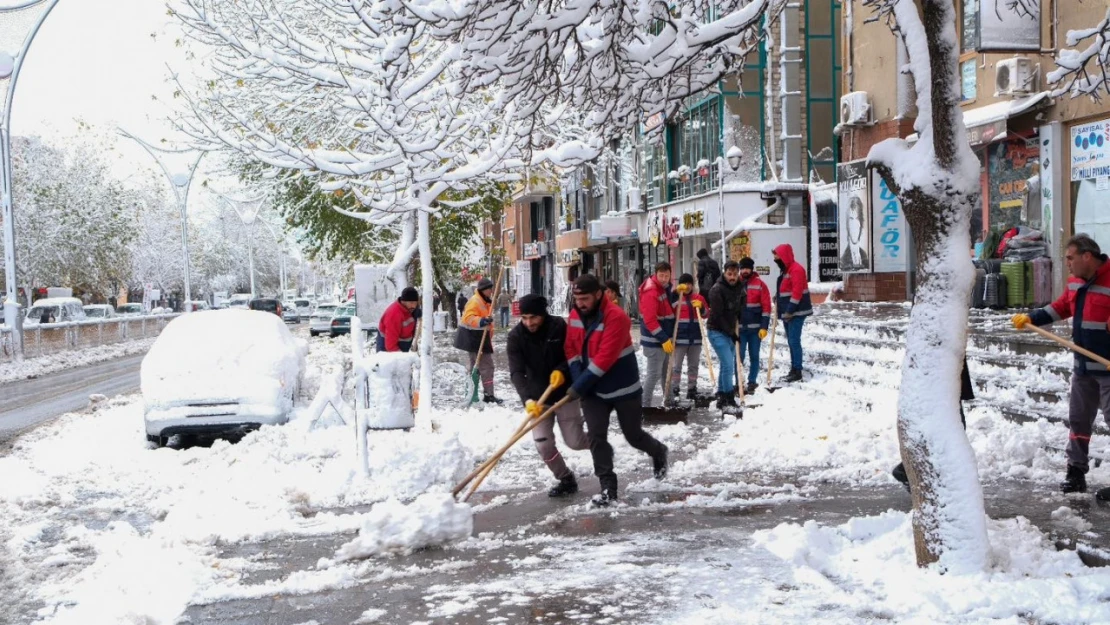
(605, 377)
(794, 305)
(397, 326)
(754, 319)
(656, 327)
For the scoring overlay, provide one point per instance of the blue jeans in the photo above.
(505, 316)
(725, 348)
(794, 339)
(749, 347)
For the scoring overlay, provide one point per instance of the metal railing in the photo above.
(50, 338)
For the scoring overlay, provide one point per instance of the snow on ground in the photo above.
(43, 365)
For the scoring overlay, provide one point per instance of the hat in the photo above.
(686, 279)
(409, 294)
(485, 283)
(533, 304)
(614, 287)
(586, 283)
(747, 263)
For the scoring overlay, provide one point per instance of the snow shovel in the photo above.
(474, 376)
(771, 354)
(708, 358)
(668, 414)
(739, 369)
(1070, 345)
(466, 480)
(492, 462)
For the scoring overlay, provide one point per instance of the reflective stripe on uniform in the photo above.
(633, 388)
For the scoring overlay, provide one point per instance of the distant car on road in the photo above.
(100, 311)
(289, 313)
(195, 305)
(239, 300)
(304, 307)
(130, 310)
(267, 304)
(55, 310)
(320, 321)
(220, 373)
(341, 320)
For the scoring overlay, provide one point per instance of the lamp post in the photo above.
(20, 23)
(247, 210)
(733, 157)
(180, 181)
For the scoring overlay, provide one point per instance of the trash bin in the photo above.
(440, 321)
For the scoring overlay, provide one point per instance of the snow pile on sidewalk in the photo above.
(44, 365)
(391, 526)
(869, 562)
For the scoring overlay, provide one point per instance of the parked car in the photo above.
(195, 305)
(289, 313)
(304, 307)
(130, 310)
(320, 321)
(239, 300)
(341, 320)
(219, 373)
(55, 310)
(100, 311)
(267, 304)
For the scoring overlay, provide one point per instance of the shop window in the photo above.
(987, 25)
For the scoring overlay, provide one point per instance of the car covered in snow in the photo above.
(239, 300)
(55, 310)
(100, 311)
(220, 372)
(130, 310)
(289, 313)
(341, 320)
(320, 321)
(304, 307)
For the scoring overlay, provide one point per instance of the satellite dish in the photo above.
(7, 65)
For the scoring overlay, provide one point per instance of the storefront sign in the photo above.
(1010, 164)
(740, 246)
(533, 250)
(671, 230)
(828, 246)
(615, 226)
(693, 220)
(977, 135)
(854, 223)
(1090, 150)
(570, 258)
(654, 121)
(889, 245)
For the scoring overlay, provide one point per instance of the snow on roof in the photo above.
(999, 111)
(767, 186)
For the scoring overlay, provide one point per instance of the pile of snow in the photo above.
(44, 365)
(870, 561)
(391, 526)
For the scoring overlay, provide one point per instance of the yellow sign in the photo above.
(740, 246)
(693, 219)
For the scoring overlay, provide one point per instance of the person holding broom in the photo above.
(726, 301)
(606, 377)
(397, 327)
(688, 338)
(537, 358)
(476, 321)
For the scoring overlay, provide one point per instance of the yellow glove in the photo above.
(1021, 320)
(557, 379)
(762, 334)
(682, 289)
(532, 409)
(668, 346)
(697, 304)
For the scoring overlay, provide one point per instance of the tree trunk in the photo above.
(427, 338)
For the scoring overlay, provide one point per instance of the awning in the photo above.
(987, 124)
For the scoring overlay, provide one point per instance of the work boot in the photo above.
(795, 375)
(607, 495)
(1103, 494)
(899, 474)
(490, 399)
(659, 464)
(566, 486)
(750, 388)
(692, 394)
(724, 400)
(1075, 481)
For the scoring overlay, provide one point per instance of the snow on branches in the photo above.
(1086, 71)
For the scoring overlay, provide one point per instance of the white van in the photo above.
(55, 310)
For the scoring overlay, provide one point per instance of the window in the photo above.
(823, 71)
(695, 143)
(969, 79)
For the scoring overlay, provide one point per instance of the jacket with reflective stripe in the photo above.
(656, 314)
(688, 331)
(469, 335)
(1088, 305)
(396, 328)
(756, 314)
(600, 354)
(793, 287)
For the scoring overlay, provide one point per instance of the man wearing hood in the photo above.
(537, 357)
(656, 326)
(726, 302)
(477, 320)
(708, 271)
(792, 299)
(397, 327)
(754, 319)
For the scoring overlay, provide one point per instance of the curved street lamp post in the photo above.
(734, 157)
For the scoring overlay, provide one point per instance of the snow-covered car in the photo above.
(304, 307)
(55, 310)
(130, 310)
(289, 313)
(220, 372)
(239, 300)
(99, 311)
(320, 321)
(341, 320)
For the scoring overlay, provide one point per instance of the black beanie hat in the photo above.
(485, 283)
(686, 279)
(747, 263)
(533, 304)
(409, 294)
(586, 283)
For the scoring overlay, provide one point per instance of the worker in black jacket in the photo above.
(537, 358)
(726, 301)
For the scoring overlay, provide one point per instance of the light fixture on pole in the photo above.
(19, 23)
(733, 157)
(247, 210)
(180, 180)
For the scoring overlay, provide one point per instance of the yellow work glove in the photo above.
(1021, 320)
(557, 379)
(682, 289)
(697, 304)
(532, 409)
(762, 334)
(668, 346)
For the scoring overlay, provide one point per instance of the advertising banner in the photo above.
(889, 232)
(854, 226)
(1090, 150)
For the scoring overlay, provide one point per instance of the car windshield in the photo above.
(325, 309)
(38, 312)
(94, 311)
(303, 303)
(131, 308)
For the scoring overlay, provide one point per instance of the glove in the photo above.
(682, 289)
(788, 316)
(485, 322)
(532, 409)
(668, 346)
(557, 379)
(1021, 320)
(762, 334)
(573, 394)
(417, 313)
(696, 304)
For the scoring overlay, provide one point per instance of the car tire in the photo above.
(312, 332)
(159, 441)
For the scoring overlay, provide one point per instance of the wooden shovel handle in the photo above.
(1070, 345)
(771, 354)
(706, 348)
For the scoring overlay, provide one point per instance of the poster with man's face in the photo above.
(854, 217)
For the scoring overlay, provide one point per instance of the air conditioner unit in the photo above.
(855, 108)
(1015, 77)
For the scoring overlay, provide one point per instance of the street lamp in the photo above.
(733, 157)
(19, 23)
(247, 215)
(180, 181)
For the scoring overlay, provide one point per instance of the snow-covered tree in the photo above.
(1086, 71)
